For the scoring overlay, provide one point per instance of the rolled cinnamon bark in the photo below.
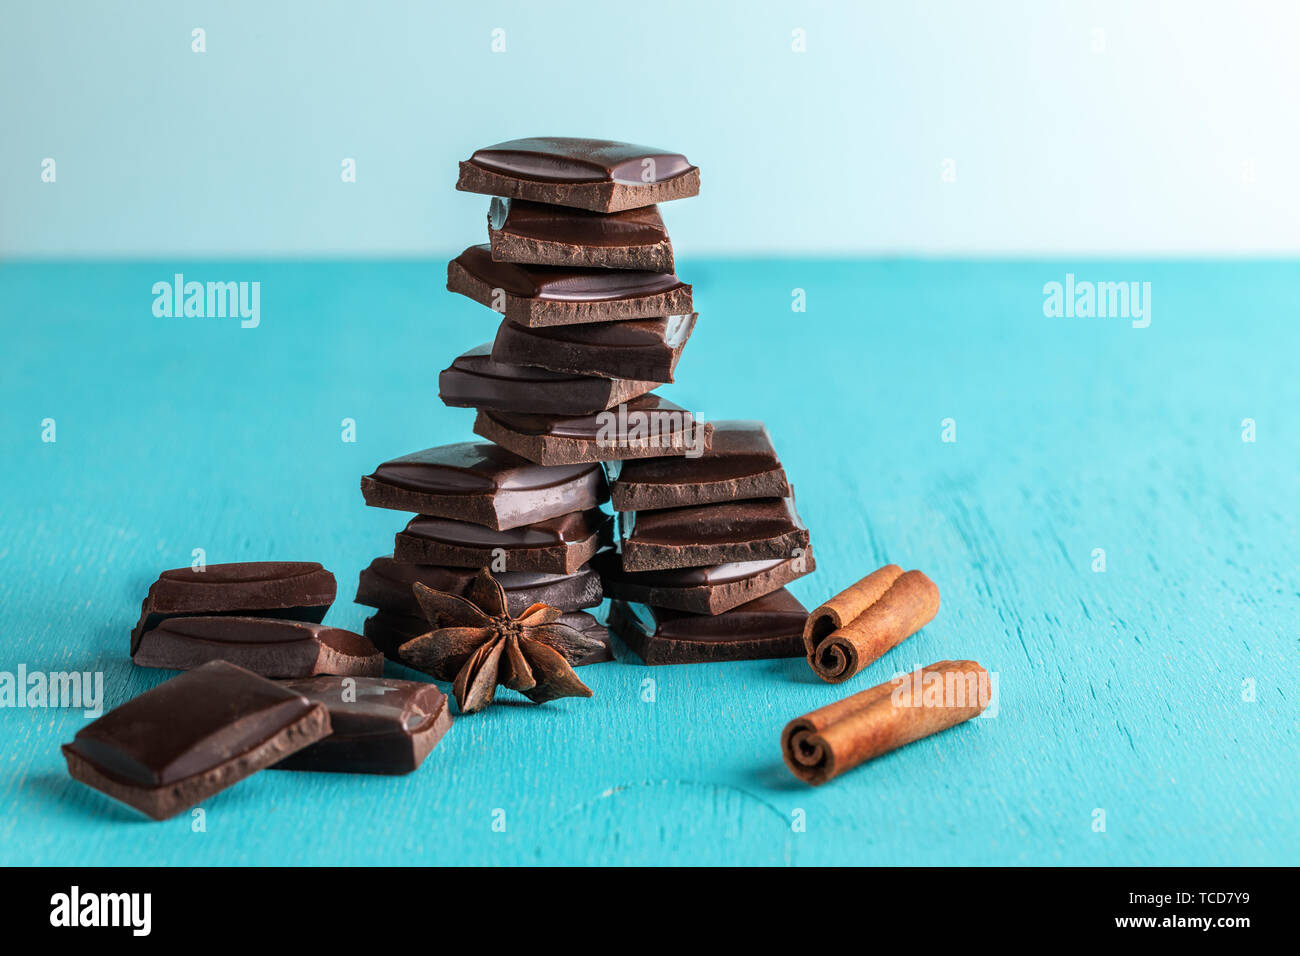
(856, 626)
(822, 745)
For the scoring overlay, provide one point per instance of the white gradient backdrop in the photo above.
(1176, 130)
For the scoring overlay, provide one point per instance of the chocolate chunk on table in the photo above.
(379, 725)
(598, 174)
(476, 380)
(386, 586)
(390, 631)
(192, 736)
(594, 631)
(717, 533)
(540, 234)
(537, 296)
(484, 484)
(769, 626)
(642, 428)
(298, 590)
(271, 647)
(741, 463)
(644, 350)
(560, 545)
(707, 590)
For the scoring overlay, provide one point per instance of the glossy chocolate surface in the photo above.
(741, 449)
(192, 589)
(271, 647)
(669, 330)
(473, 467)
(770, 626)
(297, 590)
(702, 535)
(189, 725)
(637, 349)
(775, 615)
(483, 483)
(704, 590)
(721, 523)
(727, 573)
(579, 160)
(476, 380)
(559, 545)
(562, 283)
(379, 725)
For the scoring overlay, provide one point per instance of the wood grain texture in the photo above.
(1119, 690)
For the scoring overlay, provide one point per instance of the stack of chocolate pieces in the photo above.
(259, 620)
(593, 319)
(475, 506)
(580, 267)
(706, 546)
(265, 684)
(262, 615)
(195, 735)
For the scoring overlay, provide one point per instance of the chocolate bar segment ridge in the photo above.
(271, 647)
(296, 590)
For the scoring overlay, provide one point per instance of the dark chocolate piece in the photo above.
(645, 350)
(484, 484)
(592, 630)
(727, 531)
(709, 590)
(297, 590)
(193, 736)
(642, 428)
(769, 626)
(390, 631)
(380, 725)
(599, 174)
(740, 464)
(386, 586)
(537, 296)
(476, 380)
(538, 234)
(555, 546)
(268, 646)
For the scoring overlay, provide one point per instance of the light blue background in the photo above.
(1058, 148)
(1120, 691)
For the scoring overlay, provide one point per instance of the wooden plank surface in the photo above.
(1120, 691)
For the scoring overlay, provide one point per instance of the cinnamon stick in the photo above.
(858, 625)
(822, 745)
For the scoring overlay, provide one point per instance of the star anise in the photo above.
(476, 645)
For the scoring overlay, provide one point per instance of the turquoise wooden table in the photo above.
(1147, 712)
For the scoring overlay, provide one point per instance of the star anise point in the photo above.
(476, 644)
